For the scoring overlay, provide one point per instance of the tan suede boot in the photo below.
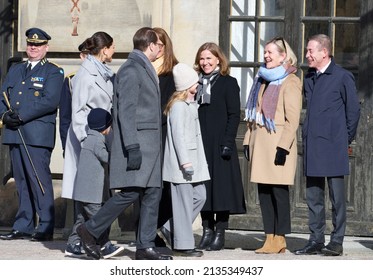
(266, 246)
(278, 245)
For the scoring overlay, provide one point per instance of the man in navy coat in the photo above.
(333, 112)
(33, 89)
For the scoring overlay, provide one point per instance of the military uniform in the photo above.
(34, 97)
(65, 109)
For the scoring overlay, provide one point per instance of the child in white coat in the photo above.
(185, 165)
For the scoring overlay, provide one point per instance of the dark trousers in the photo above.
(315, 193)
(149, 202)
(218, 220)
(84, 212)
(31, 198)
(275, 207)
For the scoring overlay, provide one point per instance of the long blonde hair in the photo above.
(176, 96)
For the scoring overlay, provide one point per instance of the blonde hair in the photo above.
(176, 96)
(283, 47)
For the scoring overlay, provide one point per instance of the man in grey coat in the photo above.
(135, 160)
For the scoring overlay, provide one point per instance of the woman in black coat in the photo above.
(219, 115)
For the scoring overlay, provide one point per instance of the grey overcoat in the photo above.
(89, 91)
(90, 175)
(136, 120)
(184, 145)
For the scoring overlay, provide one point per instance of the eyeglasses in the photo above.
(282, 40)
(160, 45)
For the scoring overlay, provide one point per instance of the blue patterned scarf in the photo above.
(265, 115)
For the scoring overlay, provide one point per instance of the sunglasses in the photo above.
(282, 40)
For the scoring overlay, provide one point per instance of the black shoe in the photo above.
(159, 242)
(218, 241)
(150, 254)
(188, 253)
(206, 238)
(88, 242)
(15, 234)
(166, 235)
(332, 249)
(42, 236)
(312, 248)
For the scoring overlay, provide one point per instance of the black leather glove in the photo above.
(189, 170)
(226, 152)
(134, 159)
(11, 119)
(280, 156)
(246, 152)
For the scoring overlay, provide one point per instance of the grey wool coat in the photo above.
(184, 145)
(90, 175)
(136, 121)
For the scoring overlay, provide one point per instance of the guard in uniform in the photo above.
(33, 90)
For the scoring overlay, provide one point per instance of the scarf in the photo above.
(148, 64)
(205, 84)
(265, 115)
(158, 63)
(102, 68)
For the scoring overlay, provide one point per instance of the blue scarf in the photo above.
(265, 115)
(102, 68)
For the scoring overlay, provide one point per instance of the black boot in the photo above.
(206, 238)
(217, 242)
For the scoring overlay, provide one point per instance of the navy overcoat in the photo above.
(333, 112)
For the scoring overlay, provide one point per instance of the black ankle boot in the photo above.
(217, 242)
(206, 238)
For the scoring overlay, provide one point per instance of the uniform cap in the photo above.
(37, 36)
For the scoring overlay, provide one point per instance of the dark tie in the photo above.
(28, 69)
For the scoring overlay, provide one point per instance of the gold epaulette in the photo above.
(71, 75)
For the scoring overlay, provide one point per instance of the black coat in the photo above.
(219, 124)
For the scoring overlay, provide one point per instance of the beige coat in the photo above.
(263, 144)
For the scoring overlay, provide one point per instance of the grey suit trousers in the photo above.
(315, 193)
(149, 203)
(187, 202)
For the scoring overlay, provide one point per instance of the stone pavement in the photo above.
(240, 245)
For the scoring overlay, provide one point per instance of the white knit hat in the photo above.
(184, 76)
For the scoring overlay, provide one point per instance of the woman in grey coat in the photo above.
(92, 87)
(185, 164)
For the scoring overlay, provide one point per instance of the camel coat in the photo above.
(263, 144)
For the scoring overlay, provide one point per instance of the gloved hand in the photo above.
(280, 156)
(134, 159)
(11, 119)
(189, 170)
(226, 152)
(246, 152)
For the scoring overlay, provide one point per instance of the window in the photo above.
(251, 23)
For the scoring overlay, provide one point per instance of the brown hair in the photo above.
(169, 58)
(143, 37)
(216, 51)
(97, 42)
